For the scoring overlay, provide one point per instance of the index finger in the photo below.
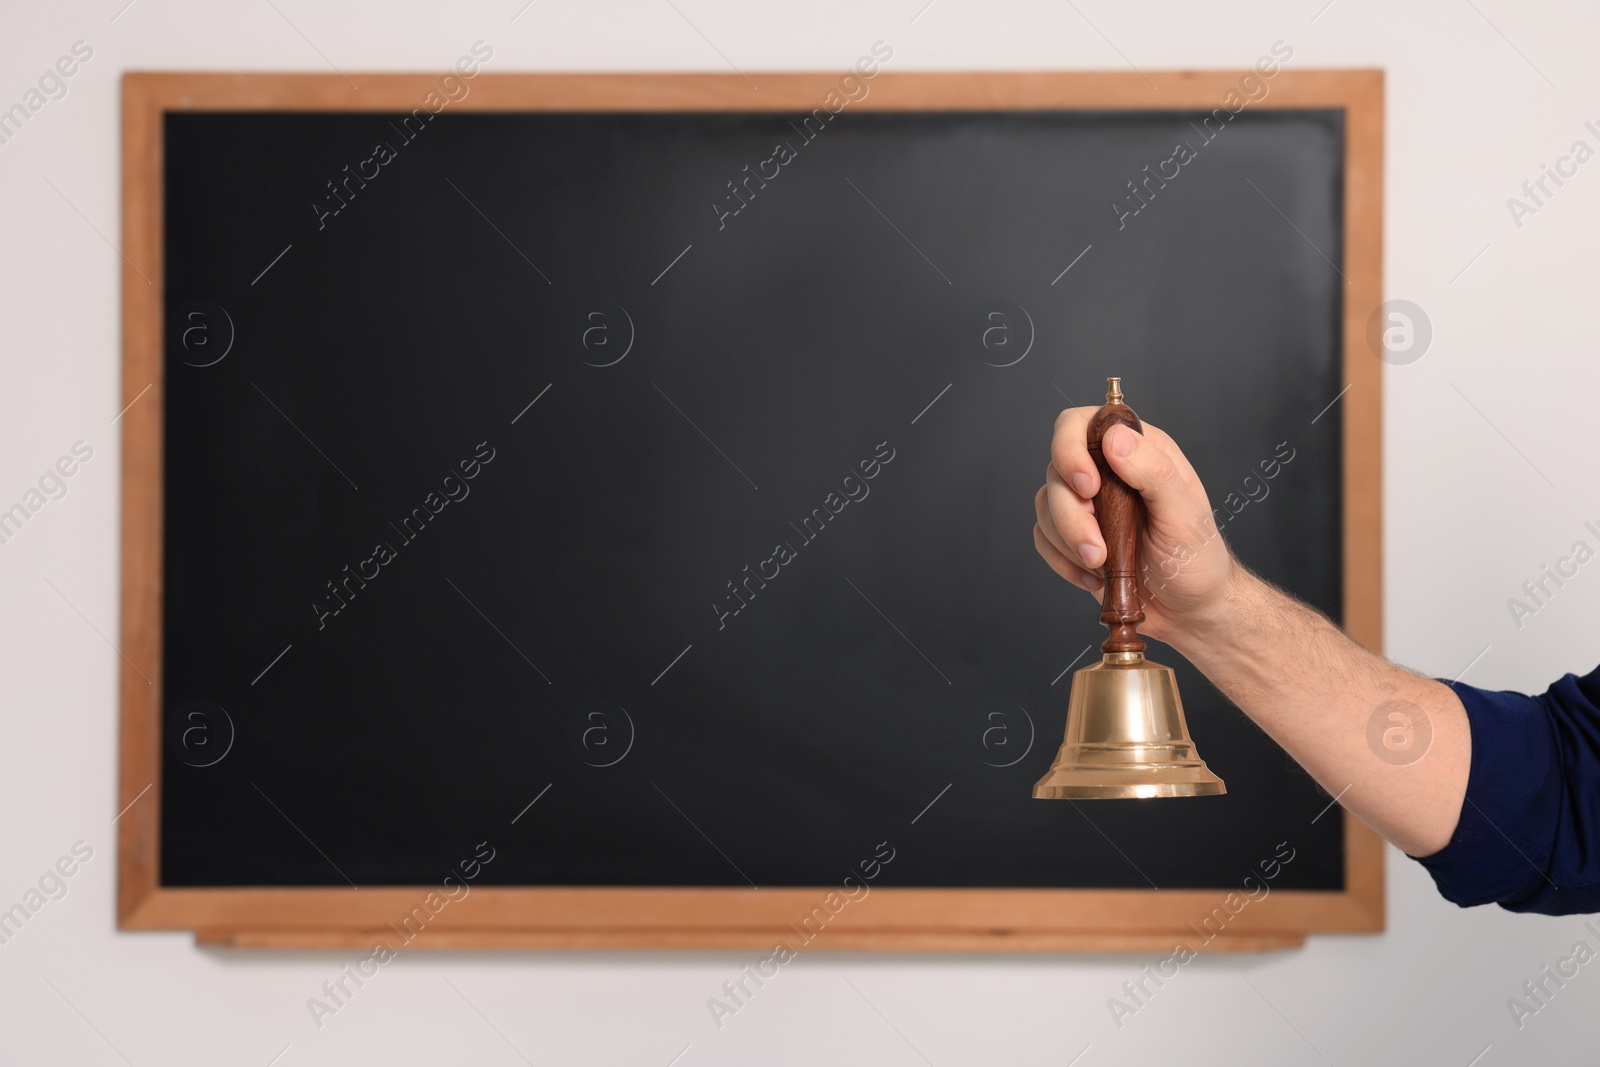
(1069, 452)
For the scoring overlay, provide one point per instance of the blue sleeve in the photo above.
(1529, 834)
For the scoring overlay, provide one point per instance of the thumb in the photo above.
(1144, 465)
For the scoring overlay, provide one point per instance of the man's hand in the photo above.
(1188, 570)
(1305, 683)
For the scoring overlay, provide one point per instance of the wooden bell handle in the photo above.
(1120, 512)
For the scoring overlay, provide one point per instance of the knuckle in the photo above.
(1071, 428)
(1164, 473)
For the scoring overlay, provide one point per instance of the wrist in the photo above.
(1215, 626)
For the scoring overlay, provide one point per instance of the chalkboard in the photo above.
(607, 497)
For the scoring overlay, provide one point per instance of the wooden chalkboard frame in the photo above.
(714, 917)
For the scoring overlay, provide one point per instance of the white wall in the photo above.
(1469, 519)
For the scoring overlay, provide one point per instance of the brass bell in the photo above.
(1126, 735)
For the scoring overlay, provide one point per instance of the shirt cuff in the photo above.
(1502, 844)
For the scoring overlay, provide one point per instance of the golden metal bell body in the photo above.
(1126, 737)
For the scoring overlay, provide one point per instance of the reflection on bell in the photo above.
(1126, 736)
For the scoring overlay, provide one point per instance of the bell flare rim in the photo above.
(1132, 791)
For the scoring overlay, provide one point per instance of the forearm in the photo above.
(1315, 691)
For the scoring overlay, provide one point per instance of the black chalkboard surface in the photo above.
(530, 470)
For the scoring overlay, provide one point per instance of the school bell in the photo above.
(1126, 735)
